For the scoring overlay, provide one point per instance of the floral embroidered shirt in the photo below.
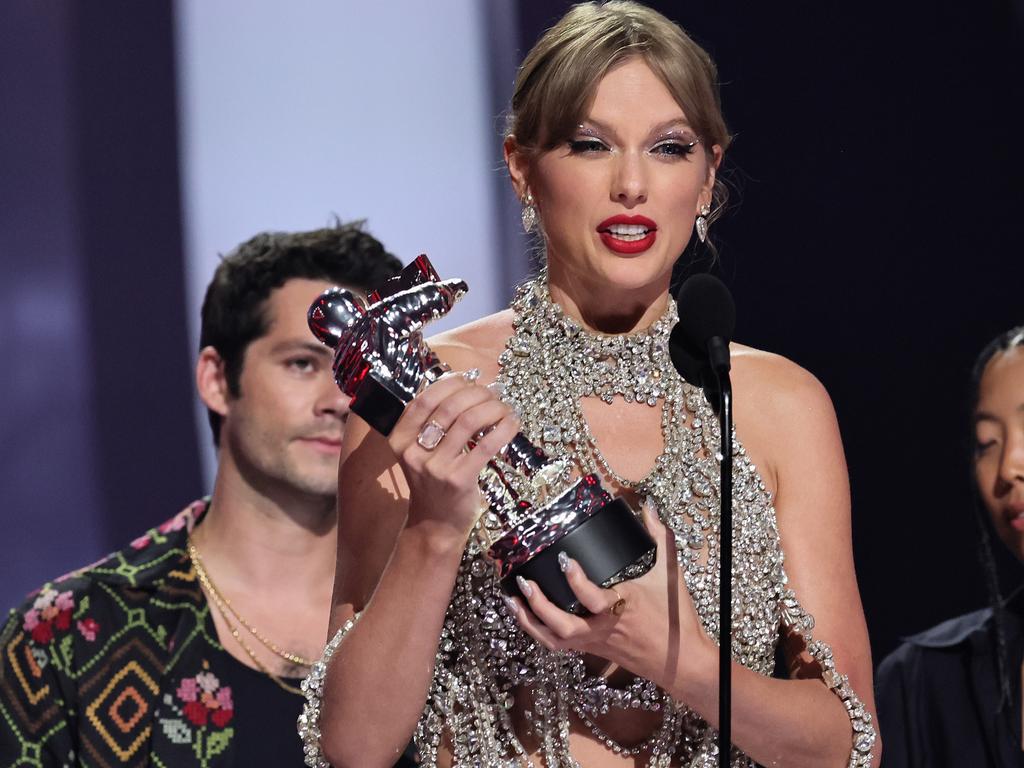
(118, 664)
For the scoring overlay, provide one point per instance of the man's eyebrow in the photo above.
(296, 345)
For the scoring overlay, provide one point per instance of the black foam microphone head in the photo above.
(706, 310)
(690, 361)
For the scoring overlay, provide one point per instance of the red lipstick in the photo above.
(614, 229)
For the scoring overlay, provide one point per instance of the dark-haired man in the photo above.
(186, 648)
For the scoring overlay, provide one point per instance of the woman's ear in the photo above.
(518, 166)
(211, 381)
(714, 161)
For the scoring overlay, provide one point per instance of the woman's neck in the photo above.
(608, 309)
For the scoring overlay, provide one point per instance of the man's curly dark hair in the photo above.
(233, 314)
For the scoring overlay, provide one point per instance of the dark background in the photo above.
(873, 239)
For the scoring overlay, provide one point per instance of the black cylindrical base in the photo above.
(377, 405)
(608, 542)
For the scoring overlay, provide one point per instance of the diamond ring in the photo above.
(430, 435)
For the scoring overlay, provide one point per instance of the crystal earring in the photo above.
(702, 222)
(529, 212)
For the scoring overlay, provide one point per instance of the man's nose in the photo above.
(332, 401)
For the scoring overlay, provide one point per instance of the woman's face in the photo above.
(999, 447)
(618, 201)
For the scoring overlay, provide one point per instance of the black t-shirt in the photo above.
(266, 735)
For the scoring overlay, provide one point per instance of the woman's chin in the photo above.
(633, 274)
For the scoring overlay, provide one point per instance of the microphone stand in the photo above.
(711, 321)
(718, 354)
(725, 572)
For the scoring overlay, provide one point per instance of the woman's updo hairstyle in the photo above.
(556, 82)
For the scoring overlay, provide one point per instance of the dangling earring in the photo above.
(529, 212)
(702, 222)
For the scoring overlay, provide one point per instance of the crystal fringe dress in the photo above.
(483, 657)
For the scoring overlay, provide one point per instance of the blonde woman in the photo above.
(614, 144)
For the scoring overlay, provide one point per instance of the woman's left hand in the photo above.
(654, 631)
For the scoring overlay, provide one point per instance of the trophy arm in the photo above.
(409, 310)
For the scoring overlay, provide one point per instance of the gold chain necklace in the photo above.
(226, 611)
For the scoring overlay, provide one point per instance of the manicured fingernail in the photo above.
(509, 603)
(497, 388)
(564, 562)
(524, 587)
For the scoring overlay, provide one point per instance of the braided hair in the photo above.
(1002, 343)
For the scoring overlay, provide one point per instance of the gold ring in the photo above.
(617, 608)
(430, 435)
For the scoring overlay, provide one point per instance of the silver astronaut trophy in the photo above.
(535, 507)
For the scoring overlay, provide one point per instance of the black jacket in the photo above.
(939, 696)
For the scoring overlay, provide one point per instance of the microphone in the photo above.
(699, 348)
(699, 343)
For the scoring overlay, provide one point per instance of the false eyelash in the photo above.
(581, 146)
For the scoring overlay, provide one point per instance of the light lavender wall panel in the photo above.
(51, 518)
(293, 113)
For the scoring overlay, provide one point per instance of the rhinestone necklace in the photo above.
(566, 363)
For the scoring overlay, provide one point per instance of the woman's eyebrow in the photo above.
(662, 127)
(676, 122)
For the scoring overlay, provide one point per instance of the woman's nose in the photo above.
(630, 185)
(1011, 465)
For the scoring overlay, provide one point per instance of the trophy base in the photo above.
(610, 546)
(377, 405)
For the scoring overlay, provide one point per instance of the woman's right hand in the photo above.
(443, 490)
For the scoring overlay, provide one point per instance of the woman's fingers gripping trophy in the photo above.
(640, 625)
(431, 441)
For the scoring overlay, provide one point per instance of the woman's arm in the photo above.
(405, 514)
(812, 504)
(796, 722)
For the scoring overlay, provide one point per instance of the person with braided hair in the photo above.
(951, 695)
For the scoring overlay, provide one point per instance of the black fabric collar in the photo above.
(962, 629)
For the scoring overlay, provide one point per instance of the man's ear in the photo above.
(211, 381)
(518, 166)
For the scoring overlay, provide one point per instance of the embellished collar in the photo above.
(148, 560)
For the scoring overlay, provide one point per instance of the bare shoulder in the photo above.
(476, 344)
(777, 386)
(778, 406)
